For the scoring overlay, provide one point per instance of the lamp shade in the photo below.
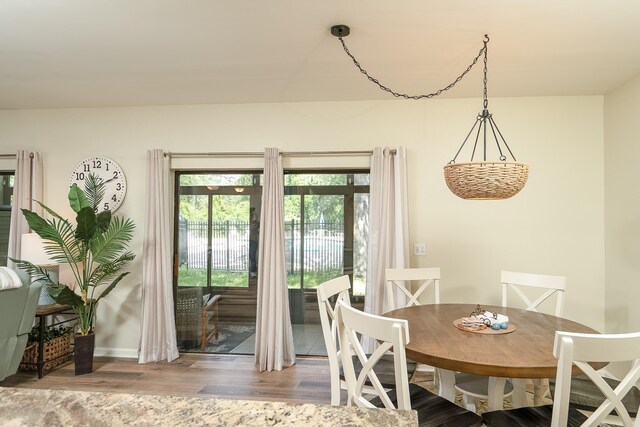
(32, 250)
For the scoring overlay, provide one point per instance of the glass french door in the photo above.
(326, 236)
(216, 253)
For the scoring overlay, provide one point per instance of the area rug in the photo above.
(230, 336)
(425, 379)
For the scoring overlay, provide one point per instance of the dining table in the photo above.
(524, 350)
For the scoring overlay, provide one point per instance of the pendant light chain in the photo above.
(485, 101)
(430, 95)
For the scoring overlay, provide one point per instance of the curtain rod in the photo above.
(12, 156)
(261, 154)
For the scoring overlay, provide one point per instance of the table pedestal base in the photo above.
(495, 392)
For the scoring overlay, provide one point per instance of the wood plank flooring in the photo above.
(194, 375)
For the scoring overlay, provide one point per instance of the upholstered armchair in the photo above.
(17, 313)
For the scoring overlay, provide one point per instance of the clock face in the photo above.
(108, 170)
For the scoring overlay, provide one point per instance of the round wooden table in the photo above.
(526, 352)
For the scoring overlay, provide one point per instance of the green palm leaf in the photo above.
(63, 295)
(87, 225)
(94, 189)
(49, 210)
(108, 270)
(103, 219)
(108, 245)
(36, 273)
(59, 232)
(111, 286)
(65, 248)
(77, 199)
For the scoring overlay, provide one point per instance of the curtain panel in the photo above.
(27, 187)
(389, 227)
(158, 331)
(274, 337)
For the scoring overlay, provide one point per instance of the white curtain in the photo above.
(27, 186)
(389, 226)
(274, 337)
(158, 330)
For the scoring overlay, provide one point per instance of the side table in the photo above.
(42, 312)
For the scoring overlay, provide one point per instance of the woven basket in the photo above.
(486, 180)
(55, 352)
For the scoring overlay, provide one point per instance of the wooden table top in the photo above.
(525, 353)
(46, 310)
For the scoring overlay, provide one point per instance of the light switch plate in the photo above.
(419, 249)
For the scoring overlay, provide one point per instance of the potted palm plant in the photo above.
(96, 250)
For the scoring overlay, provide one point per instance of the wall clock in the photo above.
(108, 170)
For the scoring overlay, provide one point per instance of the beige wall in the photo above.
(555, 226)
(622, 207)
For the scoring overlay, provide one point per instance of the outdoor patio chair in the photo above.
(196, 317)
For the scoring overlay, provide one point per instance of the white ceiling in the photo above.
(79, 53)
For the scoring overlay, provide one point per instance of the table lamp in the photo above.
(32, 250)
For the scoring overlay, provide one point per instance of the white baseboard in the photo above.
(116, 352)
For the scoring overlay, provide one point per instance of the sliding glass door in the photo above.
(326, 235)
(216, 253)
(216, 256)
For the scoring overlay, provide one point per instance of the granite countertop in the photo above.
(37, 407)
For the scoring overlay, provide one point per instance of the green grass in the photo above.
(198, 277)
(240, 279)
(312, 279)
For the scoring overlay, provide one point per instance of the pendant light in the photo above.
(474, 180)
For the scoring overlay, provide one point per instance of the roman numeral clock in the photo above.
(108, 170)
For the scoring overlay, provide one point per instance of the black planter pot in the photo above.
(83, 349)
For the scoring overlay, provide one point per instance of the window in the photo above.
(215, 217)
(216, 251)
(6, 194)
(326, 228)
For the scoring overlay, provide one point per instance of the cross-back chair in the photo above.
(338, 290)
(392, 334)
(329, 293)
(581, 350)
(586, 396)
(532, 290)
(409, 284)
(547, 285)
(398, 280)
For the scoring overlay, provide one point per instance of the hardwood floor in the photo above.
(194, 375)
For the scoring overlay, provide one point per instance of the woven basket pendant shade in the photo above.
(486, 180)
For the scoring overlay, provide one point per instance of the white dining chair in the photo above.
(329, 293)
(392, 334)
(582, 350)
(338, 288)
(409, 284)
(405, 286)
(587, 397)
(533, 290)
